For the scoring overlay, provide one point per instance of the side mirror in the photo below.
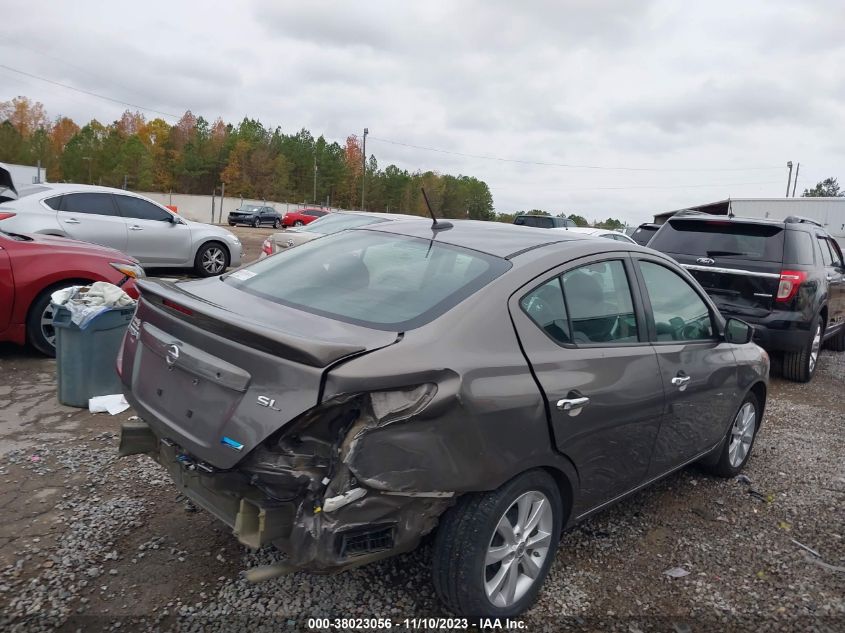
(738, 332)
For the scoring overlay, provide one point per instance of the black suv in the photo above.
(787, 278)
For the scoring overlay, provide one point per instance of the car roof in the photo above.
(389, 216)
(494, 238)
(69, 187)
(583, 230)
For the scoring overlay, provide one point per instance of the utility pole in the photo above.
(314, 197)
(795, 182)
(222, 195)
(90, 179)
(789, 179)
(364, 170)
(125, 178)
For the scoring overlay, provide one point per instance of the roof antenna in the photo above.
(730, 209)
(436, 225)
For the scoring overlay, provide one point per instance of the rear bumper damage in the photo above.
(322, 523)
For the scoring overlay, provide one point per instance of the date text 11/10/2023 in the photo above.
(415, 623)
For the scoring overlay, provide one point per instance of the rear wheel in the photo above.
(837, 341)
(736, 449)
(39, 322)
(277, 223)
(212, 259)
(801, 365)
(299, 223)
(493, 550)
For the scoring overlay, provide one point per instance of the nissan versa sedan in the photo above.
(127, 222)
(344, 398)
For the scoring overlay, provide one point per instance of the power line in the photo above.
(567, 165)
(88, 92)
(699, 186)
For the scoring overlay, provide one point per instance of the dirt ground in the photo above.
(90, 542)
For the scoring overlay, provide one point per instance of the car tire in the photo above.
(256, 223)
(837, 341)
(212, 259)
(469, 535)
(231, 224)
(277, 224)
(800, 366)
(735, 449)
(299, 223)
(40, 337)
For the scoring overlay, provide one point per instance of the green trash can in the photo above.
(86, 356)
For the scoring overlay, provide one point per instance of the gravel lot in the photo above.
(89, 542)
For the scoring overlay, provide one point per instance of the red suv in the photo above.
(32, 267)
(302, 216)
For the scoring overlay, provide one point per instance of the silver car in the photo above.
(328, 225)
(133, 224)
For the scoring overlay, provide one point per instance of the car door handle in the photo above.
(72, 221)
(572, 405)
(135, 227)
(681, 381)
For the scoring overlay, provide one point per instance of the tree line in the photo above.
(196, 156)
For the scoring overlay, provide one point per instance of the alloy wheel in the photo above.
(214, 260)
(518, 548)
(742, 434)
(815, 346)
(47, 328)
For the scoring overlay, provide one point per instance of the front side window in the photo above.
(378, 280)
(91, 203)
(836, 252)
(131, 207)
(680, 314)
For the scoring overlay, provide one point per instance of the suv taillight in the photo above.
(267, 247)
(5, 215)
(790, 281)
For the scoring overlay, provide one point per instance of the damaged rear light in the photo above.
(267, 247)
(5, 215)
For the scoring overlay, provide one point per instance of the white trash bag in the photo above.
(86, 302)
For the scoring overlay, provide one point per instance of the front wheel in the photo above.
(212, 259)
(736, 448)
(493, 550)
(801, 365)
(39, 322)
(256, 223)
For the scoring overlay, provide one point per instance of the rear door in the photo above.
(835, 277)
(583, 332)
(697, 368)
(737, 263)
(93, 217)
(154, 235)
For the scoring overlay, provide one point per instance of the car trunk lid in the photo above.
(217, 381)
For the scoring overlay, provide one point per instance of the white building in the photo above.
(829, 212)
(25, 174)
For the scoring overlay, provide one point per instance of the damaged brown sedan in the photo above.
(496, 384)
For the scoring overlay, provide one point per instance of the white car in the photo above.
(127, 222)
(605, 233)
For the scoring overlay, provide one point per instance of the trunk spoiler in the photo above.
(267, 337)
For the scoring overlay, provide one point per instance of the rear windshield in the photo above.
(643, 234)
(720, 238)
(378, 280)
(339, 222)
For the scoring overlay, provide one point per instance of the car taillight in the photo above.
(267, 247)
(5, 215)
(179, 308)
(790, 281)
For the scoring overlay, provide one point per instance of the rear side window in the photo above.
(643, 234)
(92, 203)
(533, 220)
(680, 314)
(827, 258)
(597, 307)
(378, 280)
(314, 213)
(137, 208)
(54, 203)
(721, 238)
(798, 248)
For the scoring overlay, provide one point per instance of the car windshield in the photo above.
(720, 238)
(331, 224)
(248, 208)
(379, 280)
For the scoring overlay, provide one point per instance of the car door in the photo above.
(835, 277)
(93, 217)
(697, 367)
(156, 236)
(7, 287)
(583, 332)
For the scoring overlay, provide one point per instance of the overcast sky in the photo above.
(678, 89)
